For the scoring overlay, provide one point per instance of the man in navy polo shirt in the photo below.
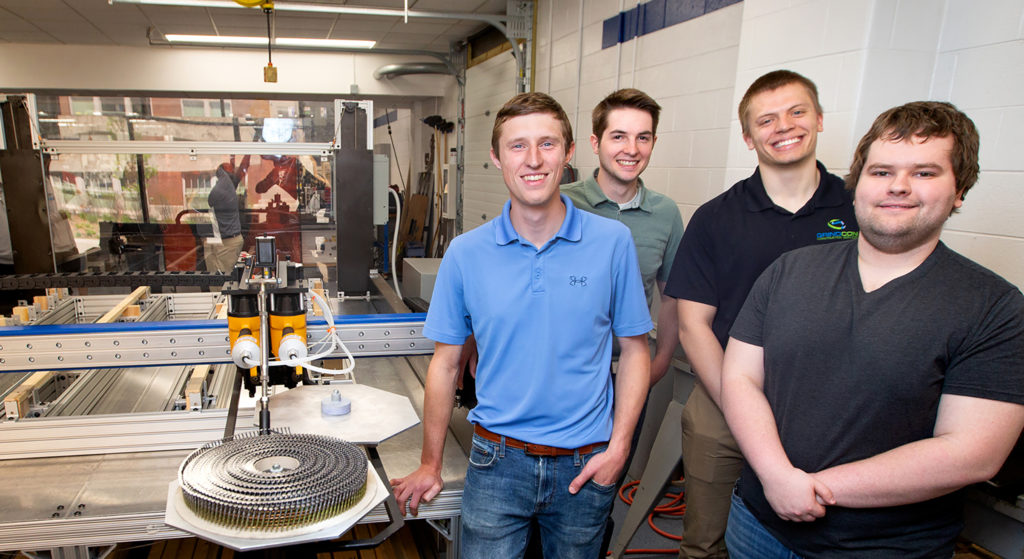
(543, 288)
(790, 201)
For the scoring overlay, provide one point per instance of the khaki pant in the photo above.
(711, 465)
(222, 257)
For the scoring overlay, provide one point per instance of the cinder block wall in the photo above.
(865, 56)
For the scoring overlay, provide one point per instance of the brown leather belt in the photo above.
(535, 449)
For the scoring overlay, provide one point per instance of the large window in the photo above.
(179, 119)
(152, 210)
(161, 218)
(206, 107)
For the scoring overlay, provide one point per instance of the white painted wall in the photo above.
(864, 55)
(869, 55)
(979, 67)
(689, 68)
(488, 86)
(399, 143)
(25, 67)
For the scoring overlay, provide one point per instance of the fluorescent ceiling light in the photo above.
(325, 43)
(280, 7)
(493, 19)
(216, 39)
(191, 3)
(279, 41)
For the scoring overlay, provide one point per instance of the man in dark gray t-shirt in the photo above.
(221, 257)
(868, 381)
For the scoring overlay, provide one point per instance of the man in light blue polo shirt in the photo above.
(543, 287)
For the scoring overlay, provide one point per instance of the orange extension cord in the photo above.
(675, 507)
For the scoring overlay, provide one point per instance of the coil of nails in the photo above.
(276, 481)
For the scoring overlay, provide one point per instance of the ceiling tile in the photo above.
(134, 36)
(464, 6)
(350, 23)
(93, 21)
(25, 37)
(394, 4)
(419, 26)
(80, 35)
(10, 23)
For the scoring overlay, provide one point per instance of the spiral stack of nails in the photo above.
(273, 482)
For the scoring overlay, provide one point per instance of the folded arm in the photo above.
(971, 440)
(793, 494)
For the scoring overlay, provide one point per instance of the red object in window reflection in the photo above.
(181, 248)
(282, 224)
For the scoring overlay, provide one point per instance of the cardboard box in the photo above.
(418, 276)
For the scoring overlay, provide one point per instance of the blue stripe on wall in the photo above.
(382, 120)
(610, 35)
(654, 15)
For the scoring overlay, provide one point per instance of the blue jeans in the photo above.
(746, 538)
(506, 488)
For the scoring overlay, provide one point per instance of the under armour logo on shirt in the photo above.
(580, 281)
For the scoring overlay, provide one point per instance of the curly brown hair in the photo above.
(925, 119)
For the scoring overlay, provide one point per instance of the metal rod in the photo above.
(264, 361)
(236, 392)
(140, 170)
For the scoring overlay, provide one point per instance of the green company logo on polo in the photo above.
(838, 231)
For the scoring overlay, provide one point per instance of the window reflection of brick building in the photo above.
(143, 192)
(290, 191)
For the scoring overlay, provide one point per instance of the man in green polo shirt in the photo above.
(625, 125)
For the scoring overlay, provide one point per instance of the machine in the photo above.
(156, 468)
(124, 411)
(274, 486)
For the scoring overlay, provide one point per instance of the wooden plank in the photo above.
(18, 401)
(156, 551)
(42, 302)
(347, 536)
(414, 220)
(196, 381)
(58, 293)
(170, 550)
(204, 550)
(318, 286)
(403, 545)
(115, 313)
(187, 547)
(328, 271)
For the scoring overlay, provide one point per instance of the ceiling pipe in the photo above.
(496, 20)
(389, 71)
